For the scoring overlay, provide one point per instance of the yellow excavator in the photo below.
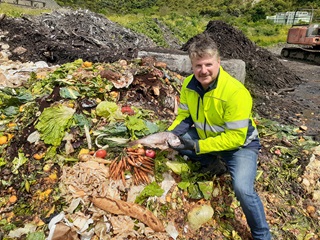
(304, 35)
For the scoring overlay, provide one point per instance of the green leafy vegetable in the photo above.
(135, 125)
(2, 162)
(11, 111)
(206, 188)
(36, 236)
(81, 120)
(18, 162)
(151, 127)
(178, 167)
(139, 127)
(106, 108)
(53, 123)
(69, 92)
(117, 129)
(64, 70)
(184, 185)
(194, 191)
(14, 97)
(109, 110)
(151, 190)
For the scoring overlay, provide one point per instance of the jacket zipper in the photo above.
(205, 120)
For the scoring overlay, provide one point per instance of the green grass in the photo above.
(17, 11)
(264, 41)
(265, 34)
(182, 27)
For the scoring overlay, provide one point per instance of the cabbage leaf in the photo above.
(53, 123)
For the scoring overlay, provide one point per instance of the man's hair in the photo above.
(202, 45)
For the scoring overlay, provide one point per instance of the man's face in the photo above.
(205, 69)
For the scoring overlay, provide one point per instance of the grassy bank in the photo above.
(184, 27)
(17, 11)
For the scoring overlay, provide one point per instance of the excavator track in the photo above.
(304, 54)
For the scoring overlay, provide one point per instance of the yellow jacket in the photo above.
(221, 115)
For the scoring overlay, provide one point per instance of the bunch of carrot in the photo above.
(135, 162)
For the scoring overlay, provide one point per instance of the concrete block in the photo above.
(180, 63)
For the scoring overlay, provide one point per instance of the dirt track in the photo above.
(308, 93)
(302, 101)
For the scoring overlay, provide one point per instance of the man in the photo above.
(214, 119)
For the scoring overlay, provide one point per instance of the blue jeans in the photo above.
(242, 165)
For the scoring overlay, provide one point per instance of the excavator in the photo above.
(304, 36)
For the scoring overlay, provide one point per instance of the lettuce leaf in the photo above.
(178, 167)
(53, 123)
(110, 111)
(106, 108)
(18, 162)
(151, 190)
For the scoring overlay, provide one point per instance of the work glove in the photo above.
(186, 144)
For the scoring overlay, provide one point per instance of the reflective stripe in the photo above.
(199, 125)
(253, 136)
(209, 128)
(237, 124)
(217, 129)
(214, 128)
(183, 106)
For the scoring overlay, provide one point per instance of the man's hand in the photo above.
(186, 144)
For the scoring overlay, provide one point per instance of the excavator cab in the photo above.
(308, 35)
(305, 36)
(314, 31)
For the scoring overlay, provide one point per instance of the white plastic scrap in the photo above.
(28, 228)
(34, 137)
(167, 183)
(171, 230)
(80, 223)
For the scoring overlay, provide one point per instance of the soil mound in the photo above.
(64, 36)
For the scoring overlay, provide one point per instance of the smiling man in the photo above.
(215, 122)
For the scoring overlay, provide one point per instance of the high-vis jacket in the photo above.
(221, 115)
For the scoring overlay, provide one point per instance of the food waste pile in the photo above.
(68, 170)
(65, 35)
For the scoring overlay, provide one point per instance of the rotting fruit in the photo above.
(101, 153)
(38, 156)
(3, 140)
(150, 153)
(128, 110)
(87, 64)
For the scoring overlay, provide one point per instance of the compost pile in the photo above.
(64, 36)
(71, 85)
